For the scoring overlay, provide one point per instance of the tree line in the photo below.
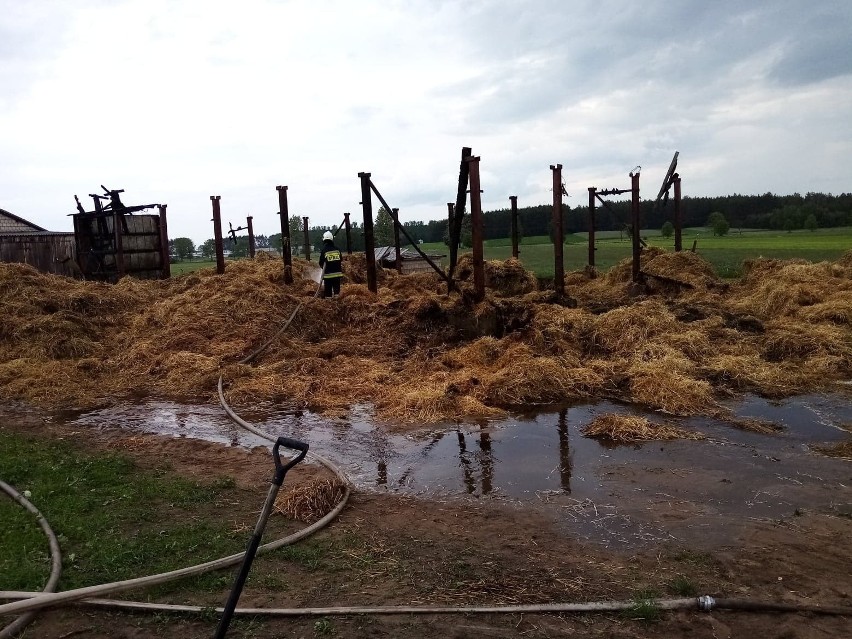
(767, 211)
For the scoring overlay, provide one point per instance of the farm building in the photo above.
(412, 261)
(48, 251)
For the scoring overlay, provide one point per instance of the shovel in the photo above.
(251, 551)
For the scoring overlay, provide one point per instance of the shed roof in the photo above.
(11, 224)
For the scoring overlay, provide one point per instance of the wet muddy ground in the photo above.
(700, 493)
(738, 514)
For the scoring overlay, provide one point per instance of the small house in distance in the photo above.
(27, 243)
(412, 261)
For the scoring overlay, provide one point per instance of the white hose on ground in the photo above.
(55, 560)
(704, 603)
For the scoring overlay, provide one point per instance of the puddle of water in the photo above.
(660, 491)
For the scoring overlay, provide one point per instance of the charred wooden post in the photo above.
(348, 233)
(558, 261)
(217, 234)
(369, 239)
(119, 242)
(164, 242)
(634, 221)
(476, 224)
(251, 236)
(286, 250)
(307, 238)
(455, 226)
(678, 222)
(515, 239)
(396, 243)
(592, 191)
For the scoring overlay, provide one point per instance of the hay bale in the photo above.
(630, 429)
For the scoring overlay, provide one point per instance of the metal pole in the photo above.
(164, 243)
(396, 242)
(678, 222)
(592, 191)
(515, 250)
(217, 234)
(634, 220)
(369, 240)
(559, 264)
(251, 236)
(284, 212)
(476, 224)
(307, 238)
(348, 233)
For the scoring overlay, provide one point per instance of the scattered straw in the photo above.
(310, 502)
(843, 450)
(626, 429)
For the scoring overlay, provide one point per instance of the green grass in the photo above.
(682, 586)
(645, 607)
(114, 521)
(181, 268)
(726, 253)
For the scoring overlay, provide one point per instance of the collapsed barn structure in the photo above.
(108, 242)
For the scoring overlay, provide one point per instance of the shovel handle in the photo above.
(292, 444)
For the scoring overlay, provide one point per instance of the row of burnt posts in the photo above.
(468, 183)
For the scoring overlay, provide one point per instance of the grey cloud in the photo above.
(822, 49)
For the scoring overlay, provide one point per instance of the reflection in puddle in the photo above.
(626, 495)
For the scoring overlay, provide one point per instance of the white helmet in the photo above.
(328, 236)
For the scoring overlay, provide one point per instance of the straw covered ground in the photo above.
(677, 346)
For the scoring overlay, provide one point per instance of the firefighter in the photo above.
(331, 259)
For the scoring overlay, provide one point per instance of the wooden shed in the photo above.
(411, 260)
(27, 243)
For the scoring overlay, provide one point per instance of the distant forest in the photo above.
(767, 211)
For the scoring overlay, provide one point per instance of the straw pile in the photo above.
(310, 502)
(415, 353)
(630, 429)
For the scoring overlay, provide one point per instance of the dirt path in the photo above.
(388, 549)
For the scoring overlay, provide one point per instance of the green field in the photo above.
(726, 253)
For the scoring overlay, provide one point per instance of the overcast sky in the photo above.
(175, 101)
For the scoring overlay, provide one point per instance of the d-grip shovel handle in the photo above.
(281, 469)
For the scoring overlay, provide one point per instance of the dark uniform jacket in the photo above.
(330, 257)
